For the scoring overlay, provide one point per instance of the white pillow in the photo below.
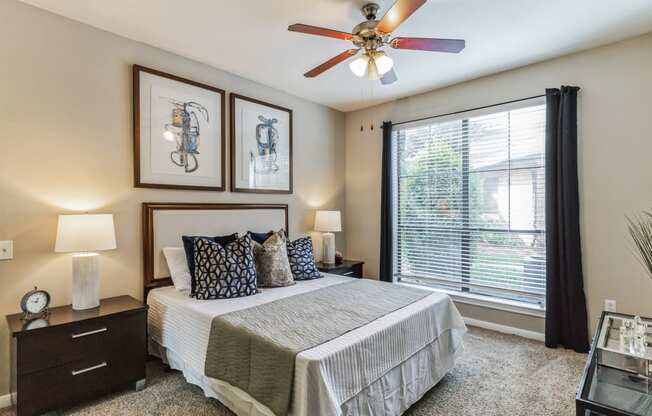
(178, 266)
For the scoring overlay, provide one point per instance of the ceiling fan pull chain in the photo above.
(371, 99)
(362, 101)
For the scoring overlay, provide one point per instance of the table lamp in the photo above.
(328, 222)
(83, 235)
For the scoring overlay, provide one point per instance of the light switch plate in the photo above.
(6, 250)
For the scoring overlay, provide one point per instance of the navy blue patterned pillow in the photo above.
(189, 248)
(302, 261)
(223, 272)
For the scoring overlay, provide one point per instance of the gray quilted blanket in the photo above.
(255, 348)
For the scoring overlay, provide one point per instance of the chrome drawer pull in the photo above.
(93, 332)
(85, 370)
(348, 273)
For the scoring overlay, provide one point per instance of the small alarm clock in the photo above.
(35, 304)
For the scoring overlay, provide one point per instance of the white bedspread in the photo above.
(329, 375)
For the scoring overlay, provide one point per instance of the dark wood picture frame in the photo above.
(148, 208)
(234, 188)
(136, 71)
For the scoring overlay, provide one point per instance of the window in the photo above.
(469, 203)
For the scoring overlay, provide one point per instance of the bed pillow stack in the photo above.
(272, 265)
(224, 271)
(231, 267)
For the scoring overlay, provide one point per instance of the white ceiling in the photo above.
(250, 38)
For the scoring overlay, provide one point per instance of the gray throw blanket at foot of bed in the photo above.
(255, 348)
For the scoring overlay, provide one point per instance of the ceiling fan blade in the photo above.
(429, 44)
(398, 13)
(320, 31)
(330, 63)
(389, 77)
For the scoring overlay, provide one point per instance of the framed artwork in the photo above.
(178, 132)
(261, 146)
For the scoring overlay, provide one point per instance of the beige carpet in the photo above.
(496, 375)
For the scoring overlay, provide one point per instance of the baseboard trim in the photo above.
(537, 336)
(5, 401)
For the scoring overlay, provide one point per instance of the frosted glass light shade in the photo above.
(328, 221)
(85, 232)
(372, 70)
(384, 63)
(359, 65)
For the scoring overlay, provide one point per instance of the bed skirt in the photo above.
(390, 395)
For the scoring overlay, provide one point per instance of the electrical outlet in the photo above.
(6, 250)
(610, 305)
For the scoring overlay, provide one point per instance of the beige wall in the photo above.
(66, 143)
(615, 108)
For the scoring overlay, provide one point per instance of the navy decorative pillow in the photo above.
(189, 248)
(260, 237)
(223, 272)
(302, 261)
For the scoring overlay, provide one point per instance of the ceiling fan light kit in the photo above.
(374, 65)
(372, 35)
(383, 62)
(359, 65)
(372, 71)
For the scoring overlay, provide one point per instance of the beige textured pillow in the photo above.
(272, 265)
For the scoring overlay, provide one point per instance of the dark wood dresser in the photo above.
(77, 355)
(351, 268)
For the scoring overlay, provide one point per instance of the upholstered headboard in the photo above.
(165, 223)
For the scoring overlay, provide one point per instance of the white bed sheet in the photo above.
(375, 365)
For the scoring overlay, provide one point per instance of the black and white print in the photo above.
(179, 138)
(302, 260)
(223, 272)
(261, 140)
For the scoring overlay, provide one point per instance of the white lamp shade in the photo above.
(86, 232)
(359, 65)
(384, 63)
(328, 221)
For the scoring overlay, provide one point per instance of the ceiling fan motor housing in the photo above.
(365, 35)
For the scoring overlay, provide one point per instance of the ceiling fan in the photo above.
(371, 36)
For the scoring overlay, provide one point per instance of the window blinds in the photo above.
(469, 203)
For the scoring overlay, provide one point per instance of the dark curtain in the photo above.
(386, 229)
(566, 318)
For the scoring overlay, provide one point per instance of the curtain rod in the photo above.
(470, 109)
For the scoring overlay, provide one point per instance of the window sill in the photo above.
(521, 308)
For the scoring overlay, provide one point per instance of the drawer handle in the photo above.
(93, 332)
(86, 370)
(348, 273)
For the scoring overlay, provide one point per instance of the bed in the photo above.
(380, 368)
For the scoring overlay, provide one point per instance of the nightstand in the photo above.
(351, 268)
(77, 355)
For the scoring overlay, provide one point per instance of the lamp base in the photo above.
(85, 281)
(329, 248)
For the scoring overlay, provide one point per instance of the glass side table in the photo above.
(615, 382)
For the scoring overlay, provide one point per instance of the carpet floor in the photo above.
(496, 374)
